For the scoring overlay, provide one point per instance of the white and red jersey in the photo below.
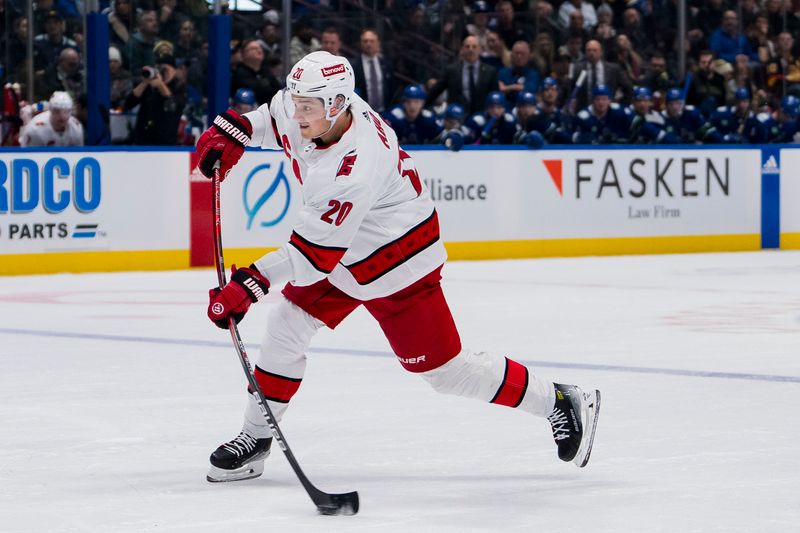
(39, 132)
(367, 223)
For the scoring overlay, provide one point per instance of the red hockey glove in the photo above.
(246, 287)
(224, 141)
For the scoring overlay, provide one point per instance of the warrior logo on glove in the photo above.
(247, 286)
(223, 143)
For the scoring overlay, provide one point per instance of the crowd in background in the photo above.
(441, 71)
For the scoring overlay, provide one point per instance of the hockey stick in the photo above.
(327, 504)
(574, 93)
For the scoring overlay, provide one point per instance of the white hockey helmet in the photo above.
(325, 76)
(60, 100)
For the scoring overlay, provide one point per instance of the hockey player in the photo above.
(738, 124)
(783, 125)
(454, 133)
(495, 125)
(646, 126)
(603, 122)
(524, 111)
(244, 101)
(367, 234)
(412, 123)
(549, 120)
(54, 127)
(685, 123)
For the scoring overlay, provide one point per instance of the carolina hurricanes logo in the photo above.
(330, 71)
(297, 73)
(218, 308)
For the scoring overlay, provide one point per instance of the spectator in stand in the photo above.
(270, 39)
(738, 124)
(303, 42)
(16, 48)
(760, 41)
(479, 27)
(586, 9)
(599, 72)
(64, 75)
(778, 11)
(743, 77)
(604, 31)
(707, 91)
(544, 20)
(727, 42)
(468, 81)
(373, 73)
(494, 125)
(54, 127)
(41, 11)
(197, 74)
(253, 73)
(244, 101)
(627, 58)
(161, 97)
(632, 27)
(657, 77)
(520, 76)
(331, 41)
(496, 54)
(709, 17)
(573, 48)
(509, 27)
(750, 12)
(119, 21)
(783, 72)
(543, 55)
(140, 45)
(169, 20)
(575, 28)
(121, 84)
(48, 46)
(186, 48)
(412, 123)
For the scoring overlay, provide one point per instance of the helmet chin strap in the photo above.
(332, 120)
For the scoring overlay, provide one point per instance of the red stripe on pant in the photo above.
(515, 383)
(275, 387)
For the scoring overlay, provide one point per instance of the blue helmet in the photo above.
(245, 96)
(642, 93)
(454, 112)
(414, 92)
(480, 7)
(549, 82)
(674, 95)
(742, 93)
(526, 98)
(791, 106)
(601, 90)
(495, 98)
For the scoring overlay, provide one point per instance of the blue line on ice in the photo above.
(377, 353)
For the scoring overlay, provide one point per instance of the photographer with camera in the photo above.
(161, 97)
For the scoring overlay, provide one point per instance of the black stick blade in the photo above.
(338, 504)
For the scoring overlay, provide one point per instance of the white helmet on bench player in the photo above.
(325, 76)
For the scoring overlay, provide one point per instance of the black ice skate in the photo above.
(241, 458)
(574, 420)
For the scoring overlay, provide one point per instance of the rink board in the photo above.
(493, 203)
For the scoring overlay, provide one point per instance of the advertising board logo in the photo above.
(771, 166)
(555, 167)
(272, 194)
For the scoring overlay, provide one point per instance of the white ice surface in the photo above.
(114, 389)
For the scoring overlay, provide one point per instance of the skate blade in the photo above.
(248, 471)
(590, 415)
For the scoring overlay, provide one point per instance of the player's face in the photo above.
(601, 104)
(524, 112)
(550, 95)
(309, 113)
(451, 123)
(59, 118)
(642, 106)
(413, 106)
(742, 106)
(674, 108)
(495, 111)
